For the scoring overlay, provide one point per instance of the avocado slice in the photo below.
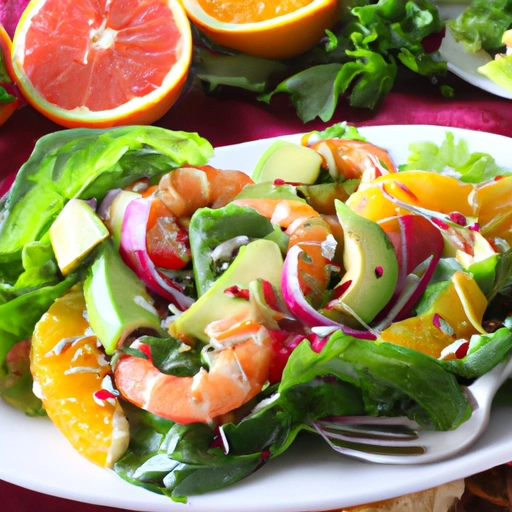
(267, 189)
(260, 259)
(117, 301)
(321, 197)
(371, 265)
(76, 231)
(289, 162)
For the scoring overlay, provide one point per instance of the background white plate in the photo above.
(465, 65)
(309, 477)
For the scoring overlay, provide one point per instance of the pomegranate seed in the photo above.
(474, 227)
(462, 350)
(458, 218)
(104, 394)
(237, 292)
(379, 272)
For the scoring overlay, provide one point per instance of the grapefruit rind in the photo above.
(280, 37)
(140, 110)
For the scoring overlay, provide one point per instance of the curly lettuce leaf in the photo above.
(455, 157)
(86, 163)
(359, 59)
(482, 24)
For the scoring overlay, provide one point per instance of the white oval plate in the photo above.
(465, 65)
(309, 476)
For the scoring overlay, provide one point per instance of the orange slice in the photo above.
(6, 76)
(272, 29)
(112, 62)
(70, 373)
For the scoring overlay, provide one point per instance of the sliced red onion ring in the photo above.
(104, 209)
(134, 253)
(300, 307)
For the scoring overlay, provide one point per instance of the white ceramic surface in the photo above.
(465, 65)
(309, 477)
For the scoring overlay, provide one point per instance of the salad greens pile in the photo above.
(481, 27)
(359, 59)
(329, 374)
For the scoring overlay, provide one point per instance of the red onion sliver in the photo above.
(134, 253)
(300, 307)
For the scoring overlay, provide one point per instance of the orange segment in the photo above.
(420, 188)
(461, 304)
(112, 62)
(68, 370)
(272, 29)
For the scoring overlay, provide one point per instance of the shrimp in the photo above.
(240, 367)
(353, 159)
(185, 190)
(307, 229)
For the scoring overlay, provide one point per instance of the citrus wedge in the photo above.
(112, 62)
(10, 103)
(71, 376)
(272, 29)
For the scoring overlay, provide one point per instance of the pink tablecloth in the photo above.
(231, 120)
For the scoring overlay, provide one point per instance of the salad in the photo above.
(185, 324)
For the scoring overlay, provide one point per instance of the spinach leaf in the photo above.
(394, 380)
(209, 228)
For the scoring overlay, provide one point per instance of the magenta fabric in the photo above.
(234, 119)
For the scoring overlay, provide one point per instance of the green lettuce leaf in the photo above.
(482, 25)
(394, 380)
(209, 228)
(453, 155)
(359, 58)
(87, 163)
(485, 352)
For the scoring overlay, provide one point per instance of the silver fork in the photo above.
(402, 441)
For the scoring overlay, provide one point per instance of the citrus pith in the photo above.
(69, 373)
(268, 33)
(112, 63)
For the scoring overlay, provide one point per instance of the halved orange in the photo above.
(6, 76)
(272, 29)
(69, 373)
(102, 63)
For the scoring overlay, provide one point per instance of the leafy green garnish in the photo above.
(455, 156)
(482, 24)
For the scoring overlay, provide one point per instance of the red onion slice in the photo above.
(134, 253)
(300, 307)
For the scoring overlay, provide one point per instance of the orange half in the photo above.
(270, 34)
(111, 62)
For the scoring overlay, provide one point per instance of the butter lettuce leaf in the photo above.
(86, 163)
